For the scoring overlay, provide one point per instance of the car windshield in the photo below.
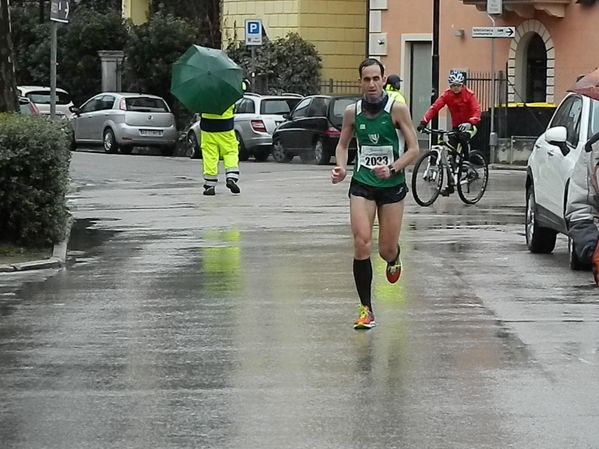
(43, 97)
(146, 104)
(594, 122)
(337, 109)
(278, 106)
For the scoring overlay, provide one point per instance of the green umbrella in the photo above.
(206, 80)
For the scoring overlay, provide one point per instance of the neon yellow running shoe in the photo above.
(365, 320)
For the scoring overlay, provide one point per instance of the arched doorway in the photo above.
(531, 58)
(536, 70)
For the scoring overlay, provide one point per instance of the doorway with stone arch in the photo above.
(531, 64)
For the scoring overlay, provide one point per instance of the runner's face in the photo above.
(372, 82)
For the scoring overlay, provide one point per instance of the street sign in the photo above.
(59, 11)
(253, 32)
(494, 7)
(493, 32)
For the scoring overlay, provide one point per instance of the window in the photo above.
(91, 106)
(106, 102)
(146, 104)
(318, 108)
(301, 109)
(245, 106)
(278, 107)
(43, 97)
(573, 123)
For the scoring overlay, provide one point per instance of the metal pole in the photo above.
(54, 44)
(493, 134)
(253, 70)
(435, 62)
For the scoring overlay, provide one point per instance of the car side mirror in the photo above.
(74, 110)
(557, 136)
(286, 116)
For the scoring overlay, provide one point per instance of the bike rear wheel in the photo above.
(427, 178)
(473, 178)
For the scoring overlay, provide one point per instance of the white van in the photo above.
(41, 97)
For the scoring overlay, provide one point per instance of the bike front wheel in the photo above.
(473, 178)
(427, 178)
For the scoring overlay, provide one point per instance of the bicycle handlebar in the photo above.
(438, 131)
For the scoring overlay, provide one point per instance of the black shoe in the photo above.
(209, 191)
(446, 191)
(232, 186)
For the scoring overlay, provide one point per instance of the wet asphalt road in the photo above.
(191, 322)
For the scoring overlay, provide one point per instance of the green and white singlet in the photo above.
(379, 142)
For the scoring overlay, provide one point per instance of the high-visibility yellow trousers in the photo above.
(215, 145)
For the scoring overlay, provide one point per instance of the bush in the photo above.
(34, 177)
(289, 64)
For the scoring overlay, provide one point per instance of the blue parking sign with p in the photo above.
(253, 32)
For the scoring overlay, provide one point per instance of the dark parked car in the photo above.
(312, 130)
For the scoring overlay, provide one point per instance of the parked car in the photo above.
(312, 130)
(40, 95)
(256, 117)
(121, 121)
(27, 107)
(549, 169)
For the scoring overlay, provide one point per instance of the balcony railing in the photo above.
(528, 8)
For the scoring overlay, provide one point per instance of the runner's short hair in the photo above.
(371, 61)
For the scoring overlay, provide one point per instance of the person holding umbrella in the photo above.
(207, 81)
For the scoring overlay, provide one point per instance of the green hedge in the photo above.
(34, 177)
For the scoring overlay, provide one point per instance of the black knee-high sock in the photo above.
(363, 278)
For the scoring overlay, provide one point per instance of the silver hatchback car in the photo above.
(121, 121)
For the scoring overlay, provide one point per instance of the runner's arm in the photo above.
(347, 131)
(403, 121)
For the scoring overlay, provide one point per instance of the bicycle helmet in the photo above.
(456, 78)
(394, 81)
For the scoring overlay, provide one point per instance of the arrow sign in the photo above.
(493, 32)
(59, 11)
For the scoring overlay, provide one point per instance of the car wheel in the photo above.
(110, 145)
(538, 239)
(278, 152)
(321, 155)
(126, 149)
(243, 152)
(575, 263)
(261, 155)
(193, 145)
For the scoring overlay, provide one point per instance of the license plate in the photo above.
(150, 132)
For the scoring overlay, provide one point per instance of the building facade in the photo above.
(337, 29)
(553, 43)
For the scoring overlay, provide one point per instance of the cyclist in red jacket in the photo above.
(463, 107)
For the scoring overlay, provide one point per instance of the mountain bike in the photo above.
(444, 161)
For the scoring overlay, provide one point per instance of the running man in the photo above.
(383, 128)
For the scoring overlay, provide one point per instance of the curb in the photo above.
(57, 260)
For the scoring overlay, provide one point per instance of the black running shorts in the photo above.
(380, 195)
